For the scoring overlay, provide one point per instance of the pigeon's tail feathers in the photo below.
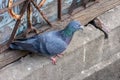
(23, 46)
(15, 46)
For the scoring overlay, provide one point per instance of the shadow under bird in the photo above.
(51, 44)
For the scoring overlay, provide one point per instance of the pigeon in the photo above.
(51, 44)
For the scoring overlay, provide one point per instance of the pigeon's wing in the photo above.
(55, 46)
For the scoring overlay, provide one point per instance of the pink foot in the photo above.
(53, 60)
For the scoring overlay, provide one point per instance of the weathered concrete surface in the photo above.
(110, 72)
(87, 49)
(105, 70)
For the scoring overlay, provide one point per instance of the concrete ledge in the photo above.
(87, 49)
(105, 70)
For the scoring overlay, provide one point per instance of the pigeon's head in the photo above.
(74, 26)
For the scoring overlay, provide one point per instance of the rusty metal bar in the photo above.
(18, 21)
(15, 4)
(44, 17)
(6, 46)
(41, 3)
(26, 5)
(29, 24)
(30, 28)
(59, 9)
(11, 12)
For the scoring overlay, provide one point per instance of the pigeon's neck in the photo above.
(67, 35)
(67, 32)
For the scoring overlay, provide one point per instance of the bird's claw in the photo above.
(53, 60)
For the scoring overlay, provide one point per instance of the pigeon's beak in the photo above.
(82, 28)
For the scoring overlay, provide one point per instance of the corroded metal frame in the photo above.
(26, 5)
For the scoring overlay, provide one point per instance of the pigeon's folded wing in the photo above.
(55, 46)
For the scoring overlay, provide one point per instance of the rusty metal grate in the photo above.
(26, 6)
